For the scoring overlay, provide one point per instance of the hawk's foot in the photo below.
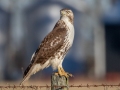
(61, 72)
(56, 73)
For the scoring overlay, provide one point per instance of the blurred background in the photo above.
(95, 53)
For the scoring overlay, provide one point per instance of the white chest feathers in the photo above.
(71, 29)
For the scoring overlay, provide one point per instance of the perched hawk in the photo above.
(54, 47)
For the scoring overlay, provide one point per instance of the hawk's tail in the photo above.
(25, 79)
(30, 71)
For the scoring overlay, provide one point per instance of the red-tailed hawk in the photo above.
(54, 47)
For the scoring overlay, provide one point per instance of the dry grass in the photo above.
(72, 82)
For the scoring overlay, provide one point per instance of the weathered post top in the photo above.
(59, 82)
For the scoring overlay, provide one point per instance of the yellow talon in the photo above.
(56, 73)
(61, 72)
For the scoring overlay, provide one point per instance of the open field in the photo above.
(81, 82)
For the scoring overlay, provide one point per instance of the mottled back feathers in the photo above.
(51, 43)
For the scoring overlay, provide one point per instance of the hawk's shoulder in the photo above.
(59, 24)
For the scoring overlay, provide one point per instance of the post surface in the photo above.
(58, 81)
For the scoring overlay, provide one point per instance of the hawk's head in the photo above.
(67, 13)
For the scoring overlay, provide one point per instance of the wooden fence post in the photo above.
(58, 81)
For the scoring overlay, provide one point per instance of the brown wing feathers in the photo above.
(51, 43)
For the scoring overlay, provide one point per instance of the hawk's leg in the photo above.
(61, 72)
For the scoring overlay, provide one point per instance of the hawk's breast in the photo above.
(68, 40)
